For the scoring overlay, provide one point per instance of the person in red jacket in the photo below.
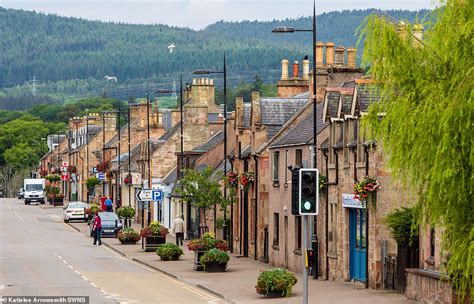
(96, 228)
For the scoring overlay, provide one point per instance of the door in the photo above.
(358, 244)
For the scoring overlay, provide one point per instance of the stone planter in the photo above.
(275, 294)
(58, 202)
(215, 267)
(173, 258)
(197, 264)
(153, 242)
(128, 242)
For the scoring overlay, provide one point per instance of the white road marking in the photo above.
(55, 253)
(85, 278)
(2, 287)
(103, 291)
(77, 272)
(64, 261)
(19, 217)
(94, 285)
(70, 267)
(60, 257)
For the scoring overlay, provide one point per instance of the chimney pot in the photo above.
(339, 56)
(351, 57)
(319, 53)
(402, 30)
(329, 53)
(295, 69)
(306, 69)
(418, 35)
(284, 69)
(194, 81)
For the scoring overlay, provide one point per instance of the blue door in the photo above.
(358, 244)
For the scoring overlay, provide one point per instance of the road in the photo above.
(42, 256)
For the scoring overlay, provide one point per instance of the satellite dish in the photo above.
(171, 47)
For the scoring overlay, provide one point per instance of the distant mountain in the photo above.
(53, 48)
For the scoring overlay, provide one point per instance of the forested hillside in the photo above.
(70, 57)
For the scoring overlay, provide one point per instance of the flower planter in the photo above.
(275, 294)
(153, 242)
(197, 264)
(173, 258)
(128, 242)
(215, 267)
(58, 202)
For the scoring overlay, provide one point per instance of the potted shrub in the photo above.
(154, 235)
(169, 252)
(207, 242)
(214, 260)
(126, 213)
(128, 236)
(93, 209)
(277, 282)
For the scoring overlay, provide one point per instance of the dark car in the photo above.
(111, 224)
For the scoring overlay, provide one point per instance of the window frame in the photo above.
(276, 229)
(275, 166)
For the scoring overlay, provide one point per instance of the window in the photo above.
(275, 165)
(298, 232)
(432, 243)
(286, 166)
(332, 228)
(348, 137)
(276, 229)
(332, 142)
(299, 158)
(360, 144)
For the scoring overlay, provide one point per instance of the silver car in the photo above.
(75, 211)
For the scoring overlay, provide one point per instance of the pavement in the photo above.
(237, 284)
(40, 255)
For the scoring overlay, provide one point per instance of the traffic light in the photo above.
(308, 191)
(295, 203)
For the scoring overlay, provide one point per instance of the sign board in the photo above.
(64, 169)
(65, 164)
(94, 170)
(65, 177)
(101, 176)
(149, 195)
(349, 201)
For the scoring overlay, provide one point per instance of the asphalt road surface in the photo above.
(42, 256)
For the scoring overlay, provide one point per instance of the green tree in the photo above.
(202, 189)
(21, 156)
(427, 129)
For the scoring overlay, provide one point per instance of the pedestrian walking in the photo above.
(108, 204)
(178, 230)
(96, 229)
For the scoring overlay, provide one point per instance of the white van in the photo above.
(34, 190)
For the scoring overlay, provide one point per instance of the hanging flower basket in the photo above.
(366, 189)
(246, 179)
(231, 180)
(323, 183)
(72, 169)
(127, 180)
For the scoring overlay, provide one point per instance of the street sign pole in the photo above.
(305, 268)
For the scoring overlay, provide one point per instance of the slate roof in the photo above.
(114, 139)
(325, 144)
(211, 143)
(352, 144)
(300, 133)
(170, 132)
(347, 104)
(277, 111)
(366, 95)
(246, 152)
(124, 156)
(171, 177)
(333, 103)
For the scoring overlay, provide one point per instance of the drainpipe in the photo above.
(354, 152)
(256, 206)
(325, 153)
(366, 151)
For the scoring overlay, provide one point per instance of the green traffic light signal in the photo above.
(308, 194)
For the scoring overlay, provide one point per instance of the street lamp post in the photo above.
(314, 148)
(224, 71)
(148, 151)
(181, 137)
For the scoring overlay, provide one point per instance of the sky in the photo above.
(197, 14)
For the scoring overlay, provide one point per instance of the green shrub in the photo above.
(126, 212)
(169, 251)
(220, 222)
(277, 279)
(91, 182)
(214, 255)
(403, 226)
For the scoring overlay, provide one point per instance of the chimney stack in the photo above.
(329, 53)
(306, 68)
(418, 35)
(284, 69)
(351, 57)
(239, 111)
(339, 56)
(295, 69)
(319, 53)
(402, 30)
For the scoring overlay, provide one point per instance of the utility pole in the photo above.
(148, 151)
(33, 90)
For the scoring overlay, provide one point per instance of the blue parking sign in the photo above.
(157, 195)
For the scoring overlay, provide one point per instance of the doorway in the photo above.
(358, 244)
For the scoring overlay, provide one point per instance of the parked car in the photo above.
(75, 211)
(111, 224)
(21, 193)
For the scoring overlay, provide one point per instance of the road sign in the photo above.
(101, 176)
(149, 195)
(94, 170)
(65, 177)
(64, 169)
(64, 164)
